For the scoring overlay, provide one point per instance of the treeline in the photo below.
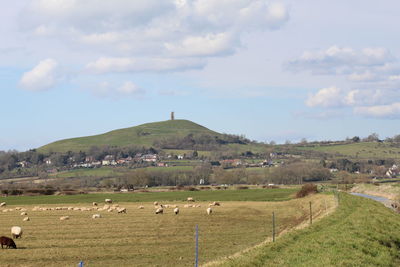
(200, 142)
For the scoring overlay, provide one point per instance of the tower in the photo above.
(172, 116)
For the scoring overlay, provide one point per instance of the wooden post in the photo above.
(273, 226)
(196, 261)
(310, 214)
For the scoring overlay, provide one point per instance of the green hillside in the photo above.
(364, 150)
(144, 135)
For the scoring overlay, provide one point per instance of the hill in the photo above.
(361, 150)
(143, 135)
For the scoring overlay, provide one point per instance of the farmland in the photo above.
(141, 238)
(280, 194)
(363, 150)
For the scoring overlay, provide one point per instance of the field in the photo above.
(105, 172)
(364, 150)
(280, 194)
(142, 238)
(361, 232)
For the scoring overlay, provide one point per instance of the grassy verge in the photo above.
(280, 194)
(360, 233)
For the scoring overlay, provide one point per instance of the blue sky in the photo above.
(271, 70)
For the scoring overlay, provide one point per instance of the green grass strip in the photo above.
(361, 232)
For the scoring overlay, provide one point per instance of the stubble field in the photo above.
(142, 238)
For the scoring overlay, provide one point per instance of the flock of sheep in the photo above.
(16, 231)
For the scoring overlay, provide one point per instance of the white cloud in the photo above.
(113, 64)
(380, 111)
(129, 88)
(126, 89)
(208, 45)
(366, 76)
(326, 97)
(341, 60)
(42, 77)
(161, 30)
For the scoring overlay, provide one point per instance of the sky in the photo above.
(270, 70)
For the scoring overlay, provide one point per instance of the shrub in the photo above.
(306, 190)
(242, 187)
(192, 189)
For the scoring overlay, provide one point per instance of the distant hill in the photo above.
(143, 135)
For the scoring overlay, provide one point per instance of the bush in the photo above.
(192, 189)
(306, 190)
(242, 187)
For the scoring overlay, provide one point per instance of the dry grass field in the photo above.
(142, 238)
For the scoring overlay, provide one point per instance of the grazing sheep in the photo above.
(24, 213)
(26, 219)
(394, 205)
(215, 204)
(121, 210)
(155, 203)
(96, 216)
(2, 204)
(159, 211)
(16, 232)
(176, 211)
(190, 199)
(141, 207)
(108, 201)
(63, 218)
(8, 242)
(209, 211)
(94, 203)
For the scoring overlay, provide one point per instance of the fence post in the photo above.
(196, 262)
(310, 214)
(273, 226)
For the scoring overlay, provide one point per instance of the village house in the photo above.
(109, 160)
(23, 164)
(393, 171)
(162, 164)
(47, 161)
(149, 157)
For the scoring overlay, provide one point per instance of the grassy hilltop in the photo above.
(143, 135)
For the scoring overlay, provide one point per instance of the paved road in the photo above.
(383, 200)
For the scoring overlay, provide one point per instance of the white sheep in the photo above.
(141, 207)
(94, 203)
(159, 211)
(215, 204)
(2, 204)
(107, 200)
(176, 211)
(209, 211)
(190, 199)
(26, 219)
(155, 203)
(63, 218)
(96, 216)
(24, 213)
(121, 210)
(16, 231)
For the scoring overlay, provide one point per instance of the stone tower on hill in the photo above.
(172, 116)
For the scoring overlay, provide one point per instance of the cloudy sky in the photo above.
(271, 70)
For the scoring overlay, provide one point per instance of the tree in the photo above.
(372, 138)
